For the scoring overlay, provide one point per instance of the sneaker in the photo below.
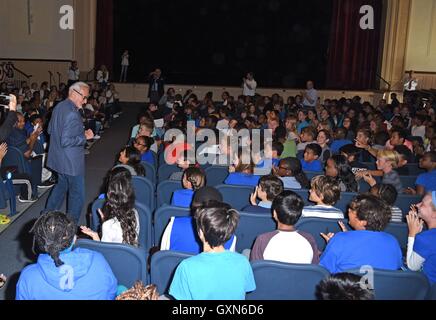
(96, 137)
(46, 174)
(47, 184)
(87, 152)
(31, 200)
(115, 116)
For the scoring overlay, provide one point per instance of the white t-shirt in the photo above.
(101, 78)
(73, 74)
(418, 131)
(247, 91)
(112, 232)
(313, 95)
(125, 60)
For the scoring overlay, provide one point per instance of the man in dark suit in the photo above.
(156, 86)
(66, 155)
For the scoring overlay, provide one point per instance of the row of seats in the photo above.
(274, 280)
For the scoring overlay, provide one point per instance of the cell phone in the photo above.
(36, 126)
(356, 170)
(4, 101)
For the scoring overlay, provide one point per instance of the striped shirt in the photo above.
(397, 214)
(322, 211)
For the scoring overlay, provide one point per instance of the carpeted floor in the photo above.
(16, 242)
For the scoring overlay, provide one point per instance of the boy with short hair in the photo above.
(269, 187)
(367, 244)
(426, 182)
(214, 274)
(307, 136)
(325, 192)
(286, 244)
(311, 154)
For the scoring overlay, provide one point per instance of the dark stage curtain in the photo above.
(353, 52)
(105, 34)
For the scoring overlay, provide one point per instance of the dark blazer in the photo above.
(67, 140)
(8, 124)
(160, 85)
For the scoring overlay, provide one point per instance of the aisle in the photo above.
(16, 243)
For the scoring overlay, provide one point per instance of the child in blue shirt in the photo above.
(242, 175)
(311, 154)
(61, 272)
(367, 244)
(143, 144)
(214, 274)
(426, 182)
(193, 179)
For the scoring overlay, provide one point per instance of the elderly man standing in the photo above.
(66, 155)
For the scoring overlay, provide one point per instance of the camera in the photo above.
(4, 101)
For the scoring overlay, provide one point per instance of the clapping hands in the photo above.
(414, 223)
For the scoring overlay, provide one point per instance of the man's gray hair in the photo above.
(78, 86)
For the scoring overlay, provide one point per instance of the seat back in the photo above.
(311, 174)
(404, 201)
(165, 170)
(432, 293)
(161, 218)
(129, 264)
(250, 226)
(150, 172)
(400, 231)
(408, 181)
(395, 285)
(15, 158)
(237, 196)
(215, 175)
(314, 226)
(163, 267)
(144, 191)
(165, 191)
(95, 217)
(284, 281)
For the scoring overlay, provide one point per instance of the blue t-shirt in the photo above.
(338, 144)
(425, 246)
(427, 180)
(353, 249)
(91, 278)
(184, 236)
(242, 179)
(302, 125)
(148, 157)
(213, 276)
(182, 198)
(314, 166)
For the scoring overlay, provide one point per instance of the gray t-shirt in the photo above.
(393, 178)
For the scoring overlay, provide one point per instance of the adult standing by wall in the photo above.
(310, 96)
(250, 85)
(156, 86)
(66, 155)
(410, 87)
(124, 66)
(73, 73)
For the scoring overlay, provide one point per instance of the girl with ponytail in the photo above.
(193, 179)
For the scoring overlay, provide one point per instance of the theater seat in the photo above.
(216, 175)
(129, 264)
(161, 218)
(237, 196)
(163, 267)
(150, 172)
(144, 191)
(250, 226)
(165, 191)
(396, 285)
(284, 281)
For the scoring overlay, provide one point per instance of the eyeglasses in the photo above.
(83, 97)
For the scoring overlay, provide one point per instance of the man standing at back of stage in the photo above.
(66, 155)
(156, 86)
(73, 73)
(410, 86)
(310, 96)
